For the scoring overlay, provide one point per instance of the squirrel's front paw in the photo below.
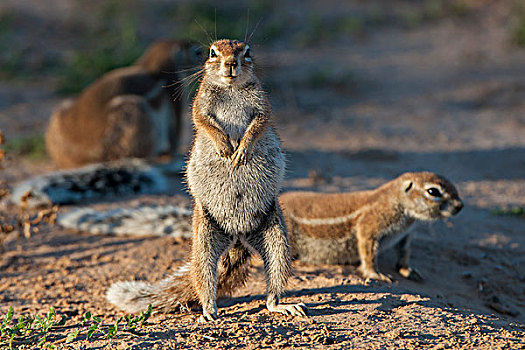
(240, 156)
(224, 149)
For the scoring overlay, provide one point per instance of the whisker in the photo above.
(192, 77)
(215, 24)
(204, 30)
(191, 69)
(254, 29)
(247, 23)
(185, 70)
(194, 83)
(203, 44)
(185, 83)
(191, 85)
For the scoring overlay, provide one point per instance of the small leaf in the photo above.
(146, 314)
(92, 329)
(51, 313)
(42, 341)
(9, 316)
(29, 322)
(97, 319)
(71, 336)
(87, 316)
(112, 331)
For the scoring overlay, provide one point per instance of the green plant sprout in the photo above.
(35, 330)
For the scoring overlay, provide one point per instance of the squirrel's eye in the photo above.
(247, 53)
(213, 53)
(434, 192)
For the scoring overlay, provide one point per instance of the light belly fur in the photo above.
(341, 251)
(236, 197)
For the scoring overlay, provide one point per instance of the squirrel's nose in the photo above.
(232, 63)
(458, 205)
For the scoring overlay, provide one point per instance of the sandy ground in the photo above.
(446, 96)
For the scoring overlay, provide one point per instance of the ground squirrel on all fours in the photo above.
(347, 228)
(128, 112)
(235, 170)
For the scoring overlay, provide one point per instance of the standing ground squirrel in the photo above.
(346, 228)
(128, 112)
(234, 173)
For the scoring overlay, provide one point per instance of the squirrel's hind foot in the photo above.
(410, 274)
(289, 309)
(207, 317)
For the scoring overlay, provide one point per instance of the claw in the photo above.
(224, 149)
(376, 276)
(239, 157)
(207, 317)
(224, 153)
(290, 309)
(302, 309)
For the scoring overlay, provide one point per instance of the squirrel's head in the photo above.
(428, 196)
(170, 55)
(229, 63)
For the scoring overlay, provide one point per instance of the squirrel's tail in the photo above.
(101, 180)
(169, 294)
(143, 220)
(178, 291)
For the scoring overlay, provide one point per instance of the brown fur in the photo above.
(231, 118)
(346, 228)
(234, 174)
(115, 117)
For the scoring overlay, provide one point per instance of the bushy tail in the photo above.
(144, 220)
(102, 180)
(178, 291)
(169, 294)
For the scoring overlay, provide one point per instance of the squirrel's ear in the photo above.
(407, 185)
